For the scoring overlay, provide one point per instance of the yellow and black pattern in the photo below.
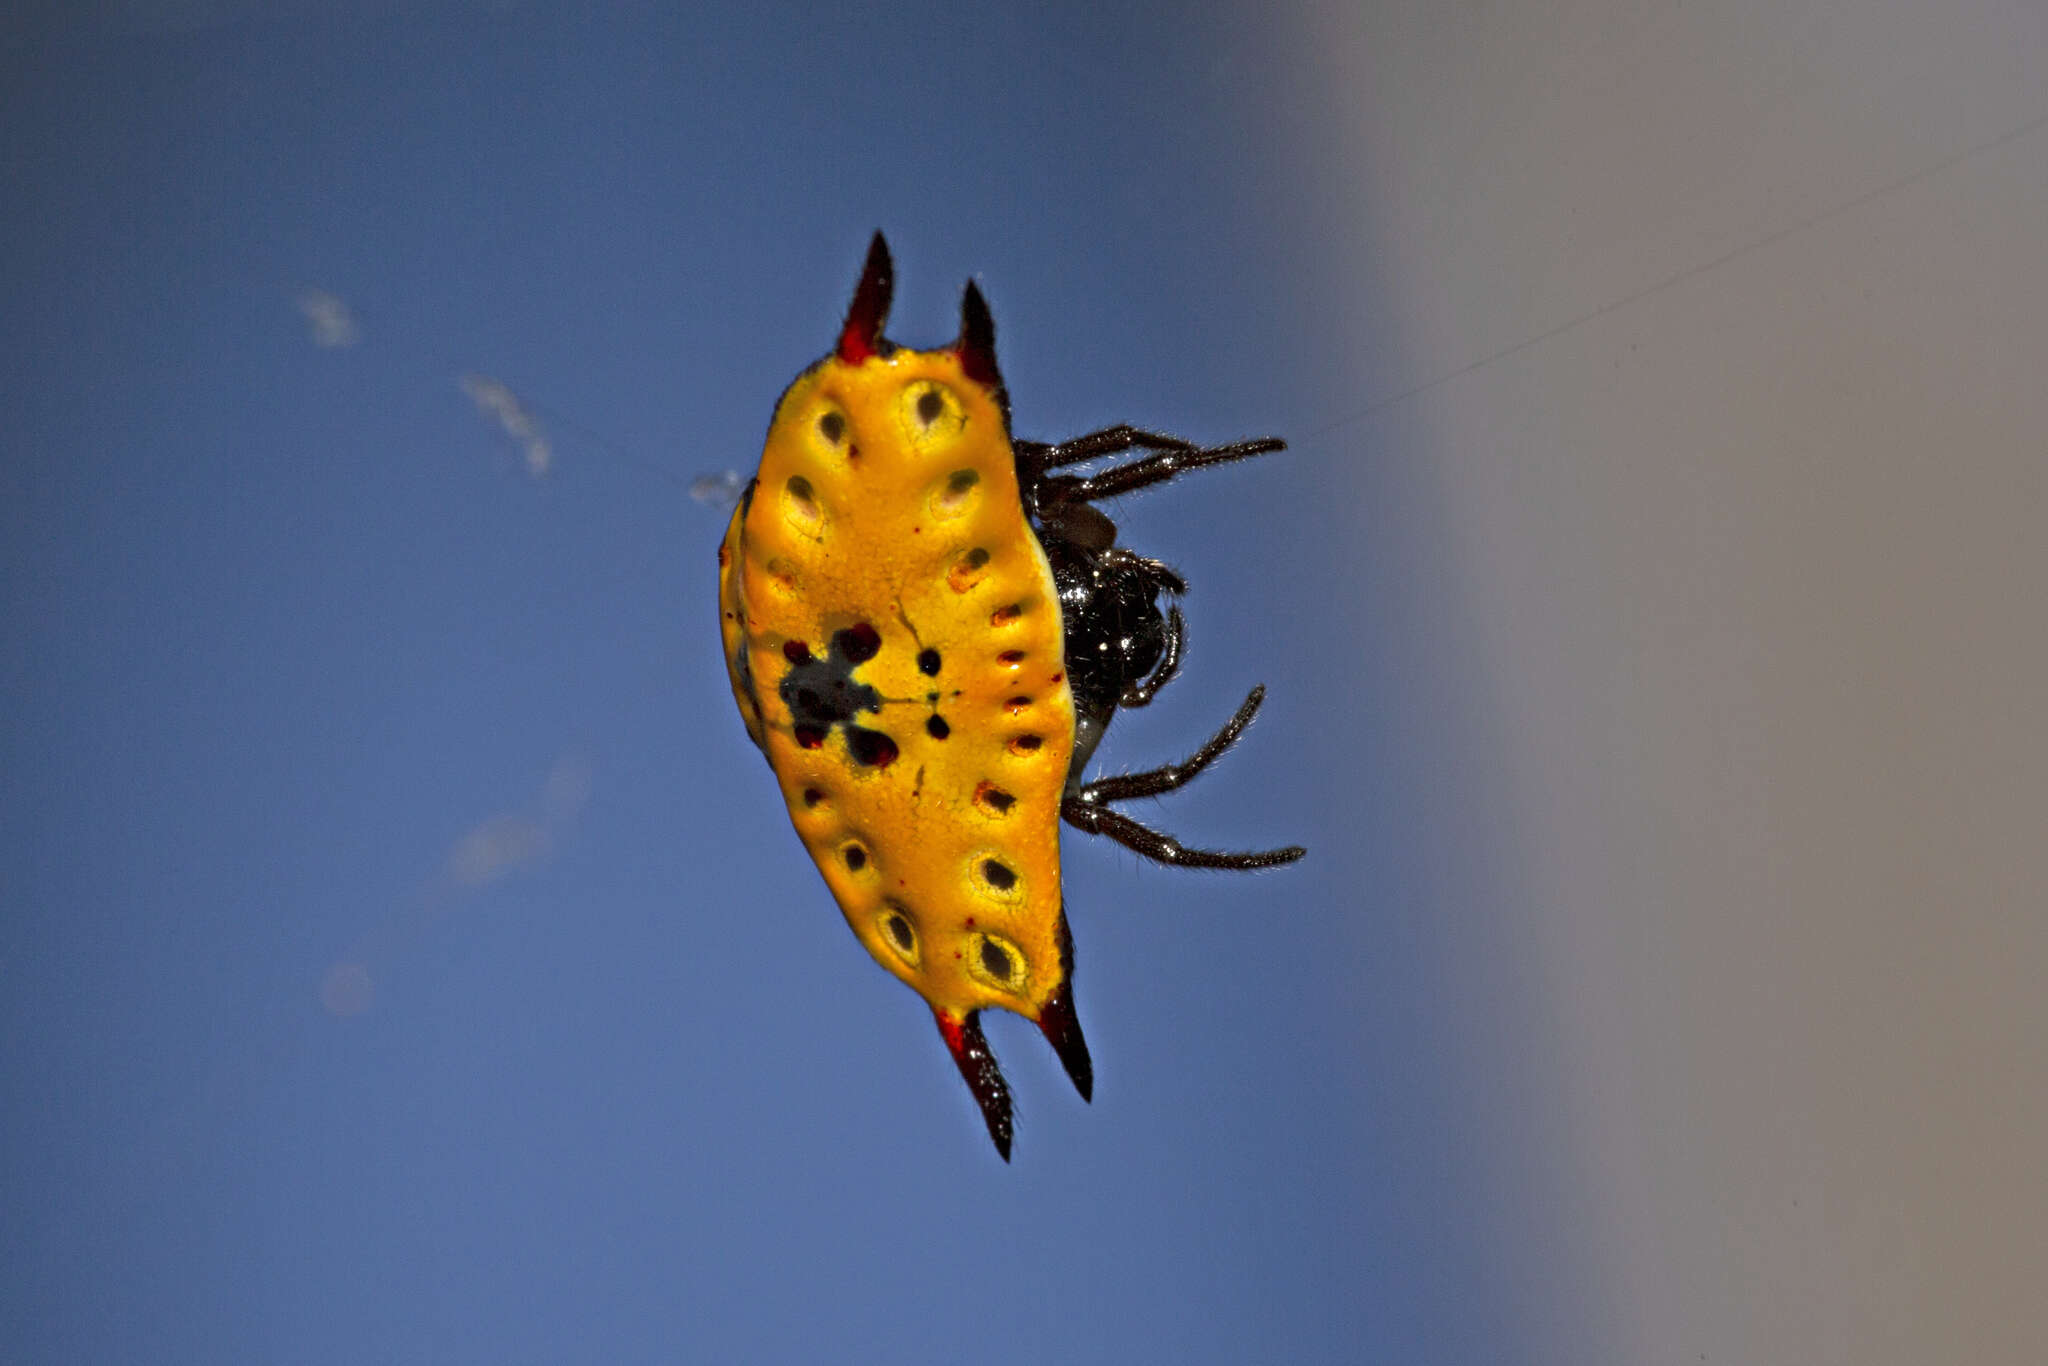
(928, 626)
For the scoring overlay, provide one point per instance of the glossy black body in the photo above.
(1121, 644)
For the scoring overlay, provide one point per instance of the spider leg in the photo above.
(1163, 465)
(1100, 820)
(1123, 787)
(1140, 691)
(1108, 441)
(1086, 807)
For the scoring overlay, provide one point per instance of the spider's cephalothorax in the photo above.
(927, 628)
(1121, 649)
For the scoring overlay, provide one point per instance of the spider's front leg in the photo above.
(1094, 445)
(1169, 457)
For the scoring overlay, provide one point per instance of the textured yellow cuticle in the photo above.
(887, 502)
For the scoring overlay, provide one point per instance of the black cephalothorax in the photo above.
(1121, 648)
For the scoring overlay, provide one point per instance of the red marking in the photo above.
(1011, 657)
(1057, 677)
(855, 344)
(810, 737)
(859, 642)
(964, 1040)
(862, 335)
(981, 369)
(870, 747)
(796, 652)
(970, 922)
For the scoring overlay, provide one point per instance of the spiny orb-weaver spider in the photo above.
(928, 626)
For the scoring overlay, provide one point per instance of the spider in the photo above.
(928, 627)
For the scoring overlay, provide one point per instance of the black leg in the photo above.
(1100, 820)
(1087, 809)
(1109, 441)
(1170, 456)
(1164, 465)
(1122, 787)
(1140, 691)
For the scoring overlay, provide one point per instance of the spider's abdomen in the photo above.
(894, 636)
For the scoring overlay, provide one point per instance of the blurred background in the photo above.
(405, 956)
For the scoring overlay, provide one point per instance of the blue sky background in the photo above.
(305, 668)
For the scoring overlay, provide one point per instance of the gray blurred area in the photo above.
(1740, 462)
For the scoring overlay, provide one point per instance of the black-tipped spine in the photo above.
(865, 317)
(965, 1041)
(1062, 1029)
(977, 342)
(976, 347)
(1061, 1026)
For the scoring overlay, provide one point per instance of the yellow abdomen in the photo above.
(894, 640)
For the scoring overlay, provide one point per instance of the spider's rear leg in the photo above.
(1123, 787)
(1100, 820)
(1086, 806)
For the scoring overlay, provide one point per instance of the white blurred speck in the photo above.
(492, 849)
(495, 848)
(567, 788)
(328, 318)
(497, 402)
(717, 490)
